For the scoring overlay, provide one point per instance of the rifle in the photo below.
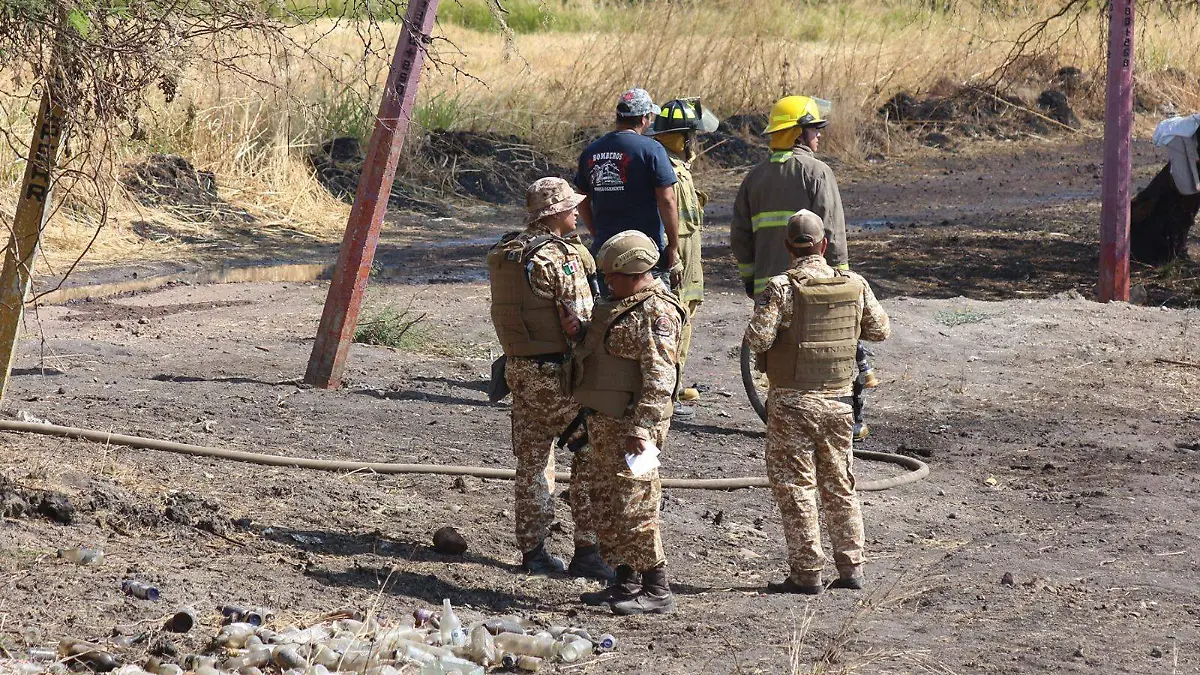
(575, 436)
(498, 386)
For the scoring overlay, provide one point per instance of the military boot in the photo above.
(654, 598)
(588, 563)
(849, 578)
(626, 585)
(809, 583)
(539, 561)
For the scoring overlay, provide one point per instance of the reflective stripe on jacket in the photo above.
(774, 190)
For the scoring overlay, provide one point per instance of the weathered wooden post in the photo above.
(33, 207)
(1118, 137)
(344, 300)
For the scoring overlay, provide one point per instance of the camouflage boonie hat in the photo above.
(635, 103)
(548, 196)
(629, 252)
(805, 228)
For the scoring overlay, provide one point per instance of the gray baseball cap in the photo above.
(635, 103)
(805, 228)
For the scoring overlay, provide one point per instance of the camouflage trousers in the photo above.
(810, 451)
(625, 508)
(540, 412)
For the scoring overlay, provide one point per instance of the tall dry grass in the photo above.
(253, 133)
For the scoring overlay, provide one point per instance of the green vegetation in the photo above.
(961, 317)
(392, 327)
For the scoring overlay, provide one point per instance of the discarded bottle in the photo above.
(127, 641)
(139, 590)
(196, 661)
(422, 616)
(530, 664)
(504, 624)
(81, 555)
(581, 632)
(348, 626)
(451, 627)
(181, 622)
(155, 666)
(574, 649)
(288, 658)
(88, 654)
(390, 640)
(450, 665)
(251, 658)
(234, 635)
(236, 614)
(482, 646)
(531, 645)
(42, 654)
(606, 643)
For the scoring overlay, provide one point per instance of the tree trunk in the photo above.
(1160, 219)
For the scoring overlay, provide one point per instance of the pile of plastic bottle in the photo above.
(427, 643)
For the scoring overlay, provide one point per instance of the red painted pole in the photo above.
(344, 301)
(1118, 137)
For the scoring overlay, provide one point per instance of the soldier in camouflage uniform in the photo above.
(625, 371)
(809, 416)
(536, 274)
(676, 128)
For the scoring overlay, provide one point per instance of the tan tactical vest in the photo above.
(526, 324)
(816, 352)
(599, 380)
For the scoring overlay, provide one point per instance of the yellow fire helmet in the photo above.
(804, 111)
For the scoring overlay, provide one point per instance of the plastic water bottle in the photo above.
(451, 627)
(139, 590)
(81, 555)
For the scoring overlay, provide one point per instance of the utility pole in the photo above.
(344, 300)
(1118, 137)
(32, 209)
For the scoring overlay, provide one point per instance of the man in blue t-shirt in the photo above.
(628, 181)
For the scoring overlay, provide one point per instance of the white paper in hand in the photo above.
(643, 462)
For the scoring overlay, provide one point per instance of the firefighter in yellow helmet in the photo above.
(792, 179)
(675, 128)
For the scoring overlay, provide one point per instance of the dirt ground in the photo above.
(1056, 532)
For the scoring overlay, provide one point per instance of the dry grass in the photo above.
(740, 56)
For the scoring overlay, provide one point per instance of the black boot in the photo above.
(539, 561)
(626, 585)
(654, 598)
(588, 563)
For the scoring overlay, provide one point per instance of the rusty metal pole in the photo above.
(1118, 137)
(344, 300)
(32, 209)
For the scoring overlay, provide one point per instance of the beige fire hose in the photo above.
(916, 468)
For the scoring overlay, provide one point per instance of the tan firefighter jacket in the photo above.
(774, 190)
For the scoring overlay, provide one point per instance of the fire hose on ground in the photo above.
(916, 468)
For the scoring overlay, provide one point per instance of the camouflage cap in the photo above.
(628, 252)
(805, 228)
(548, 196)
(635, 103)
